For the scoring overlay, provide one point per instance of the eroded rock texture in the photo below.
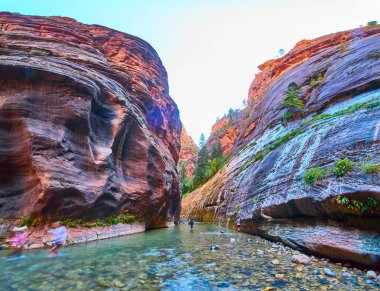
(187, 155)
(87, 126)
(263, 183)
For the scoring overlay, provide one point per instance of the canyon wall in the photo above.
(265, 184)
(87, 126)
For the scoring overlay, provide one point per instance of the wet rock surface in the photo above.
(264, 181)
(87, 126)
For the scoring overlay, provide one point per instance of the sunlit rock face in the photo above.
(188, 153)
(264, 181)
(87, 126)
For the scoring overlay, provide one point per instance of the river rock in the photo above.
(346, 275)
(300, 259)
(371, 275)
(328, 272)
(100, 133)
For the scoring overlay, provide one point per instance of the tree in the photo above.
(373, 22)
(292, 100)
(216, 151)
(281, 53)
(244, 102)
(202, 141)
(231, 114)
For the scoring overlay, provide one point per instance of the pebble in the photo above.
(300, 269)
(214, 247)
(275, 262)
(298, 275)
(346, 275)
(249, 241)
(300, 259)
(371, 275)
(328, 272)
(368, 281)
(316, 272)
(260, 253)
(280, 276)
(344, 269)
(118, 283)
(269, 289)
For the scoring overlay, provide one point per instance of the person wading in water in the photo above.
(191, 223)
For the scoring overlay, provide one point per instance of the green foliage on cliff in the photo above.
(314, 175)
(371, 169)
(28, 221)
(355, 204)
(315, 82)
(112, 220)
(207, 165)
(342, 167)
(373, 103)
(37, 53)
(292, 101)
(286, 118)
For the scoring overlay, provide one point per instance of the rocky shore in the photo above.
(39, 236)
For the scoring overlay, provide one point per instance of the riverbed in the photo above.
(175, 259)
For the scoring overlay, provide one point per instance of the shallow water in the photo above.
(170, 259)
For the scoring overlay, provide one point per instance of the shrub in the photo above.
(286, 118)
(292, 100)
(371, 23)
(69, 223)
(362, 205)
(342, 167)
(371, 169)
(28, 221)
(315, 82)
(127, 219)
(314, 175)
(38, 53)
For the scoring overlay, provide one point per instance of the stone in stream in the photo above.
(371, 275)
(301, 259)
(260, 253)
(275, 262)
(249, 241)
(328, 272)
(346, 275)
(316, 272)
(214, 248)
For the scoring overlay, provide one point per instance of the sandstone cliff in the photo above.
(336, 212)
(188, 153)
(87, 126)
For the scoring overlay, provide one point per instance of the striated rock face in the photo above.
(264, 185)
(225, 132)
(188, 153)
(87, 126)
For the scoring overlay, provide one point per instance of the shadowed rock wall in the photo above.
(87, 126)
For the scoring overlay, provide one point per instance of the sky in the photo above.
(211, 48)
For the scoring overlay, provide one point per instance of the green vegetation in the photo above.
(314, 175)
(368, 204)
(207, 165)
(286, 118)
(126, 219)
(371, 169)
(363, 105)
(28, 221)
(342, 167)
(37, 53)
(372, 23)
(276, 143)
(292, 101)
(315, 82)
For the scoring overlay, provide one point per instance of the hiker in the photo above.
(17, 240)
(191, 223)
(59, 233)
(238, 224)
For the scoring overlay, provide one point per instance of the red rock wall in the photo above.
(87, 126)
(188, 153)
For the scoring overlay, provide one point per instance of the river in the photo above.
(173, 259)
